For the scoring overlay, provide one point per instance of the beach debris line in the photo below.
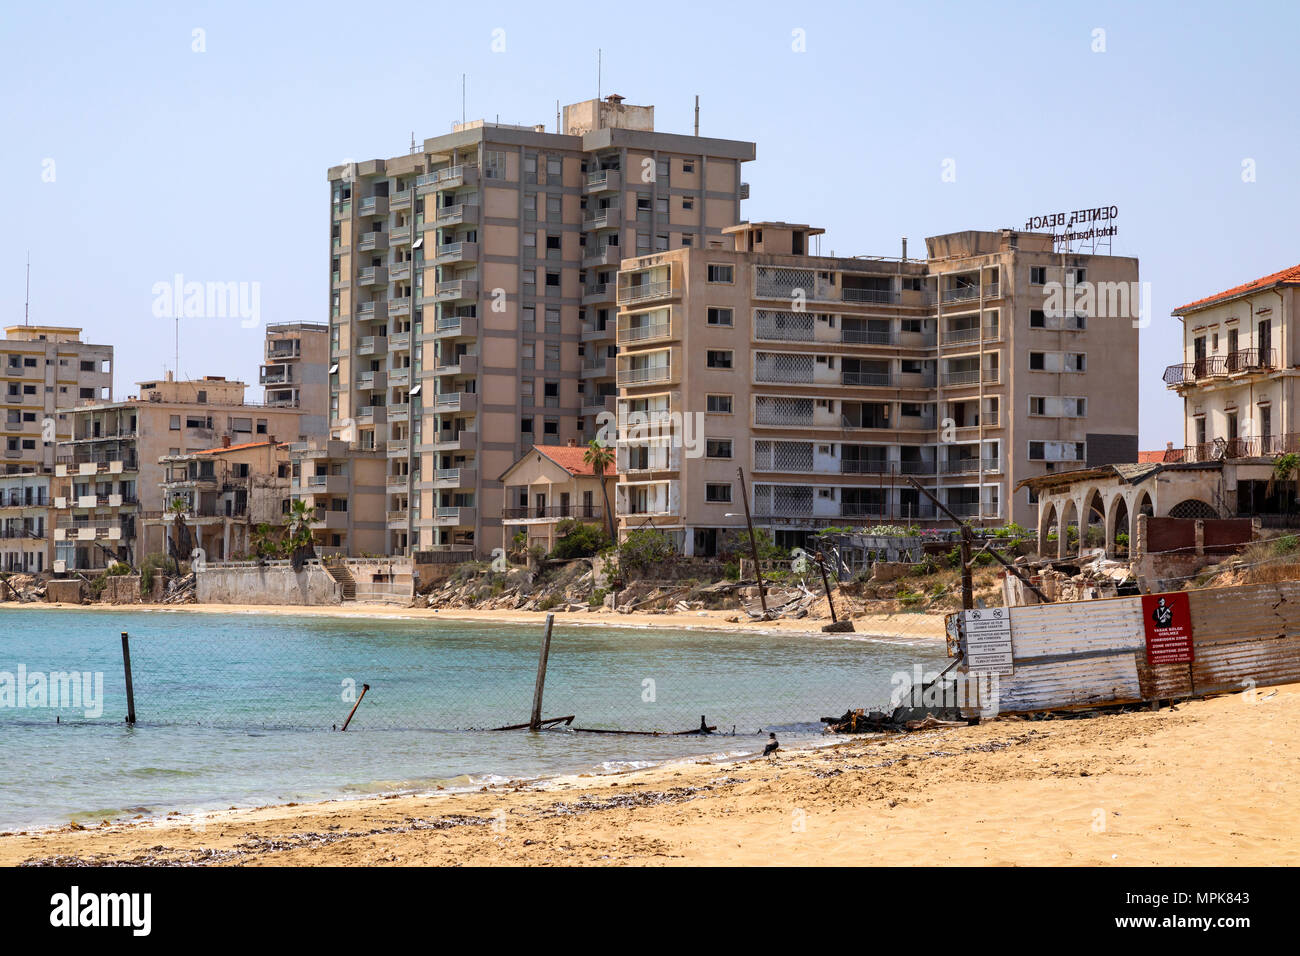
(899, 720)
(360, 698)
(549, 721)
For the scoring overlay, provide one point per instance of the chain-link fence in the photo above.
(309, 673)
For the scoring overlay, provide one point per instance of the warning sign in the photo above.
(988, 640)
(1168, 623)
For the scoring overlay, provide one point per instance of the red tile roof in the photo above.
(219, 449)
(1289, 276)
(1160, 456)
(569, 457)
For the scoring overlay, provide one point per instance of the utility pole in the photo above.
(753, 543)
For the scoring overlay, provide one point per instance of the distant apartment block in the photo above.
(47, 368)
(296, 372)
(345, 486)
(216, 499)
(473, 307)
(834, 381)
(1237, 374)
(25, 520)
(108, 480)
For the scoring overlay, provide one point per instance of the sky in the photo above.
(152, 140)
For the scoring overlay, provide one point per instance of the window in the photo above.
(718, 404)
(553, 280)
(688, 166)
(554, 167)
(720, 492)
(1037, 319)
(1076, 362)
(494, 164)
(1080, 276)
(552, 242)
(719, 273)
(717, 448)
(551, 426)
(719, 358)
(175, 423)
(720, 317)
(526, 425)
(688, 202)
(1037, 405)
(1037, 361)
(1038, 275)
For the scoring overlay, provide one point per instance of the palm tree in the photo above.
(600, 458)
(300, 540)
(1285, 468)
(180, 537)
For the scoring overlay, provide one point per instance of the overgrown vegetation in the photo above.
(578, 540)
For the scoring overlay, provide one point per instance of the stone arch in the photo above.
(1092, 520)
(1193, 508)
(1117, 523)
(1068, 517)
(1047, 518)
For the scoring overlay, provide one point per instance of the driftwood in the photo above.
(900, 719)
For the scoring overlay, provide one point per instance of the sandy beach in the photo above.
(1210, 782)
(920, 626)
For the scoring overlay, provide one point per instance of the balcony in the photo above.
(593, 333)
(275, 375)
(372, 415)
(464, 440)
(598, 293)
(452, 252)
(399, 377)
(453, 326)
(399, 341)
(464, 365)
(603, 219)
(445, 402)
(370, 380)
(1203, 369)
(400, 200)
(961, 293)
(644, 376)
(453, 177)
(454, 517)
(874, 296)
(593, 405)
(968, 334)
(399, 307)
(400, 235)
(373, 206)
(397, 518)
(325, 484)
(1251, 360)
(373, 242)
(603, 180)
(989, 376)
(553, 513)
(869, 379)
(372, 345)
(283, 349)
(399, 271)
(609, 256)
(602, 366)
(455, 478)
(649, 332)
(456, 215)
(644, 292)
(368, 311)
(455, 290)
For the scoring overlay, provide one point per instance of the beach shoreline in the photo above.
(1202, 783)
(903, 626)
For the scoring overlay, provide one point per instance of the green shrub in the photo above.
(645, 549)
(1286, 544)
(598, 597)
(548, 602)
(579, 540)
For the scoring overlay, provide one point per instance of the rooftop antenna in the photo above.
(27, 307)
(557, 116)
(599, 64)
(462, 99)
(413, 141)
(697, 114)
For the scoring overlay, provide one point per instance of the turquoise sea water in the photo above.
(237, 709)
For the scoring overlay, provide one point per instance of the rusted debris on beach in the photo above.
(899, 720)
(548, 722)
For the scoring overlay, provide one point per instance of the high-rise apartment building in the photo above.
(472, 296)
(296, 372)
(47, 368)
(833, 381)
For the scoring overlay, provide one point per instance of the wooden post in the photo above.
(536, 722)
(753, 543)
(967, 586)
(130, 688)
(364, 688)
(826, 584)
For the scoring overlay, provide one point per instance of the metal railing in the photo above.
(585, 512)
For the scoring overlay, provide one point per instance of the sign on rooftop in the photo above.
(1090, 229)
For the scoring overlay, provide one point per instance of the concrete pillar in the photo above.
(1063, 531)
(1200, 537)
(1137, 545)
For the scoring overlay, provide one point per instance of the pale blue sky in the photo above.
(213, 164)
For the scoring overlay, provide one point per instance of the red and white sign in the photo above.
(1168, 624)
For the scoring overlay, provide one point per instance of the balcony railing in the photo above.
(582, 512)
(644, 376)
(646, 290)
(1249, 360)
(877, 296)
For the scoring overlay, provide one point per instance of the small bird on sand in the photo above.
(773, 745)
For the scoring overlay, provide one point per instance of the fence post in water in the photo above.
(364, 688)
(130, 689)
(536, 722)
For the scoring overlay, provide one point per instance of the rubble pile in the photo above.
(1083, 579)
(22, 587)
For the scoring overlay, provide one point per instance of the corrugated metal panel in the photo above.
(1078, 627)
(1223, 667)
(1163, 680)
(1070, 683)
(1235, 614)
